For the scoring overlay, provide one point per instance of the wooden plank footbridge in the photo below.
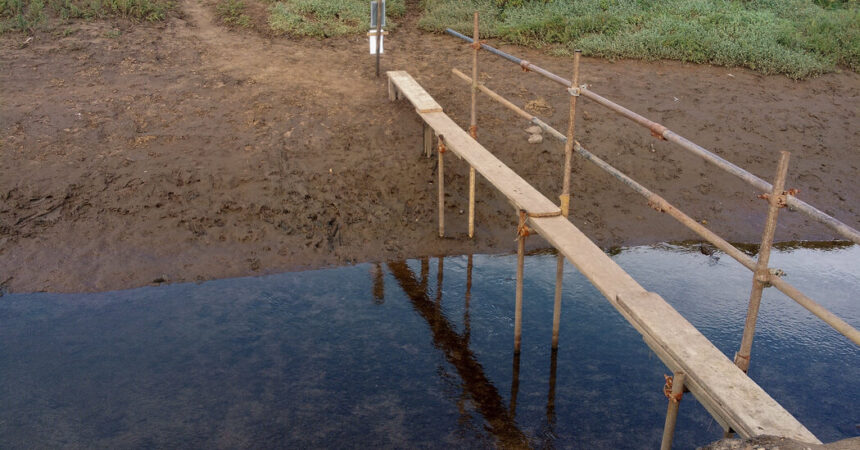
(720, 384)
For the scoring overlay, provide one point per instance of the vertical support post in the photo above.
(521, 251)
(775, 200)
(473, 125)
(378, 284)
(428, 140)
(677, 391)
(379, 5)
(565, 198)
(550, 401)
(441, 181)
(467, 321)
(515, 384)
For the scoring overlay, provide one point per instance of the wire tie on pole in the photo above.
(574, 91)
(667, 390)
(473, 131)
(525, 65)
(441, 147)
(781, 200)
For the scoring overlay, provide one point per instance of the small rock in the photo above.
(534, 129)
(535, 139)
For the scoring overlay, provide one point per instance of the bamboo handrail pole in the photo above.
(441, 181)
(761, 276)
(521, 252)
(672, 411)
(815, 308)
(669, 135)
(658, 202)
(473, 128)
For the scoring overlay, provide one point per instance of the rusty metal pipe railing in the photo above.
(662, 132)
(660, 204)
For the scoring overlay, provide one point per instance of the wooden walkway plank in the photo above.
(523, 195)
(733, 398)
(413, 91)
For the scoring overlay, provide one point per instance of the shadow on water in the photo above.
(333, 358)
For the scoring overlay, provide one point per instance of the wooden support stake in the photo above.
(471, 202)
(565, 200)
(441, 182)
(473, 127)
(428, 140)
(761, 275)
(672, 412)
(521, 252)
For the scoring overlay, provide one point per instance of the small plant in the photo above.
(232, 12)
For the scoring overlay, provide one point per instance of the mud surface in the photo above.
(139, 154)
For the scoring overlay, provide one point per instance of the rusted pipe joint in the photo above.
(657, 130)
(525, 65)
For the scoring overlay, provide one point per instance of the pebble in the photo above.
(535, 139)
(534, 129)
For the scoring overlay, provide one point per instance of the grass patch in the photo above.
(798, 38)
(232, 13)
(326, 18)
(29, 15)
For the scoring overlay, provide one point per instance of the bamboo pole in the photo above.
(473, 128)
(379, 5)
(672, 411)
(761, 276)
(662, 132)
(441, 181)
(550, 401)
(565, 201)
(521, 251)
(661, 205)
(467, 321)
(515, 384)
(428, 140)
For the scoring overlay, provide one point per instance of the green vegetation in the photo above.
(799, 38)
(28, 15)
(232, 12)
(325, 18)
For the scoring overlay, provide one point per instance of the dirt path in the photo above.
(185, 151)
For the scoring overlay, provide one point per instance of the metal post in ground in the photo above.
(761, 276)
(565, 198)
(522, 232)
(473, 125)
(674, 389)
(380, 4)
(441, 181)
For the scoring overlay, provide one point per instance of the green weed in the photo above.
(232, 12)
(326, 18)
(799, 38)
(27, 15)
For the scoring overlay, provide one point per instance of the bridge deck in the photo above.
(733, 398)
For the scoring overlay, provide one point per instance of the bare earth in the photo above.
(186, 151)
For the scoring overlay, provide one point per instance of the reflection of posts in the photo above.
(550, 401)
(467, 325)
(515, 384)
(378, 284)
(457, 352)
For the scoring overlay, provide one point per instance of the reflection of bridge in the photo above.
(455, 346)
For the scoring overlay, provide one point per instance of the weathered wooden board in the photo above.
(413, 91)
(728, 393)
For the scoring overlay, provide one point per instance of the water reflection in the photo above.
(411, 353)
(457, 352)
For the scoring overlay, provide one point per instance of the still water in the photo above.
(414, 353)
